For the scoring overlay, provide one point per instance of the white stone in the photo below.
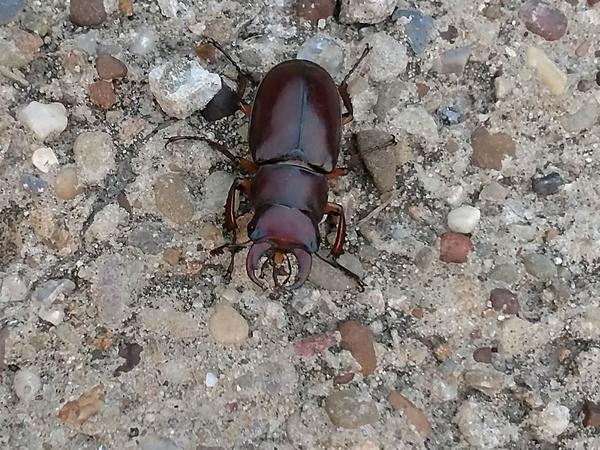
(210, 380)
(464, 219)
(324, 51)
(14, 289)
(106, 222)
(387, 58)
(143, 41)
(552, 421)
(95, 156)
(53, 316)
(547, 71)
(183, 87)
(503, 87)
(46, 121)
(26, 384)
(417, 121)
(43, 159)
(227, 326)
(366, 11)
(169, 8)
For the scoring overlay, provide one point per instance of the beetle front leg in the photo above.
(348, 116)
(335, 210)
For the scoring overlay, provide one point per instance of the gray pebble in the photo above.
(325, 51)
(508, 273)
(10, 9)
(151, 237)
(418, 29)
(539, 266)
(350, 409)
(547, 184)
(26, 384)
(33, 184)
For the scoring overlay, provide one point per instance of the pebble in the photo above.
(314, 10)
(586, 325)
(169, 8)
(540, 266)
(483, 355)
(413, 415)
(483, 427)
(366, 11)
(350, 409)
(110, 68)
(46, 121)
(106, 222)
(326, 277)
(507, 273)
(183, 87)
(87, 13)
(227, 326)
(10, 9)
(210, 380)
(14, 289)
(48, 292)
(417, 26)
(79, 411)
(584, 118)
(449, 115)
(464, 219)
(26, 384)
(494, 193)
(387, 59)
(548, 184)
(43, 159)
(94, 155)
(455, 248)
(518, 337)
(214, 193)
(172, 256)
(503, 87)
(324, 51)
(357, 339)
(33, 184)
(18, 48)
(504, 301)
(591, 414)
(489, 150)
(173, 199)
(143, 41)
(66, 183)
(453, 60)
(543, 19)
(377, 152)
(488, 381)
(546, 71)
(416, 121)
(53, 316)
(102, 94)
(551, 422)
(315, 344)
(150, 237)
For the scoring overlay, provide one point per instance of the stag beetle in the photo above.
(294, 137)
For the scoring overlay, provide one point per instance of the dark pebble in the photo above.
(87, 13)
(34, 184)
(543, 19)
(110, 68)
(598, 78)
(450, 34)
(504, 300)
(591, 413)
(585, 85)
(547, 184)
(449, 115)
(314, 10)
(455, 247)
(483, 355)
(102, 94)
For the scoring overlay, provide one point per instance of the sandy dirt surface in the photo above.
(474, 221)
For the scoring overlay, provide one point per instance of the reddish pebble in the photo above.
(102, 94)
(489, 150)
(110, 68)
(358, 340)
(483, 355)
(87, 13)
(343, 378)
(455, 247)
(504, 300)
(313, 345)
(543, 19)
(206, 52)
(591, 413)
(314, 10)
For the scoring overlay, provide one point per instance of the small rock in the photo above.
(95, 156)
(546, 71)
(53, 316)
(143, 41)
(483, 427)
(490, 149)
(551, 422)
(66, 183)
(453, 60)
(227, 326)
(210, 380)
(455, 248)
(349, 409)
(377, 152)
(183, 87)
(490, 382)
(77, 412)
(518, 337)
(169, 8)
(483, 355)
(493, 192)
(324, 276)
(357, 339)
(508, 273)
(173, 199)
(548, 184)
(324, 51)
(504, 301)
(172, 256)
(450, 34)
(26, 384)
(540, 266)
(51, 290)
(214, 193)
(110, 68)
(314, 10)
(87, 13)
(387, 59)
(131, 354)
(10, 10)
(102, 94)
(46, 121)
(106, 222)
(584, 118)
(543, 19)
(449, 115)
(366, 11)
(43, 159)
(14, 289)
(33, 184)
(418, 27)
(416, 121)
(464, 219)
(503, 87)
(17, 47)
(586, 325)
(315, 344)
(591, 413)
(413, 414)
(492, 11)
(150, 237)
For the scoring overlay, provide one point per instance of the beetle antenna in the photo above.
(241, 71)
(362, 56)
(345, 270)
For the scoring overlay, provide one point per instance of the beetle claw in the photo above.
(256, 252)
(304, 265)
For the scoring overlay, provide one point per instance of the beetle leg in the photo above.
(230, 210)
(335, 210)
(343, 89)
(337, 265)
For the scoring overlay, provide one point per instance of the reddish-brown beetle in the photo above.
(294, 138)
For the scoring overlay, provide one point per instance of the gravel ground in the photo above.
(474, 222)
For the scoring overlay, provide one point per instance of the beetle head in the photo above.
(279, 230)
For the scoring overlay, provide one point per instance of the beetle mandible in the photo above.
(294, 138)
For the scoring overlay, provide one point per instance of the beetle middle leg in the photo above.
(337, 211)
